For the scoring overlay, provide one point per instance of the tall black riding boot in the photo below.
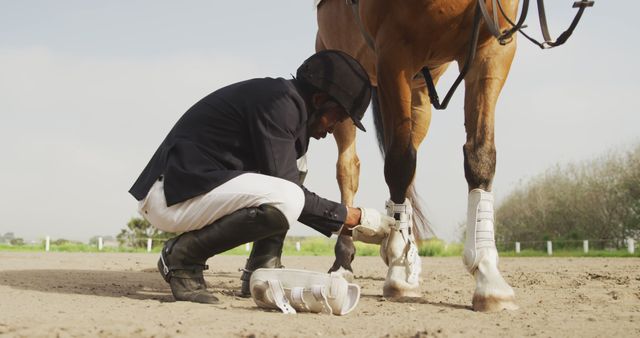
(265, 253)
(183, 258)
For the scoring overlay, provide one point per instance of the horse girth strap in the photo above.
(356, 14)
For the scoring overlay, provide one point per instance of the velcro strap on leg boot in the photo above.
(480, 227)
(297, 297)
(320, 294)
(279, 298)
(402, 213)
(305, 291)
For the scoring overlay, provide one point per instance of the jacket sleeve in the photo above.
(322, 214)
(274, 132)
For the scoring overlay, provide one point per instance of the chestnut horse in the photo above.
(403, 37)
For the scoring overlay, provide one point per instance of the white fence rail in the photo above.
(628, 244)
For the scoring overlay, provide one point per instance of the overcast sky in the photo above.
(88, 90)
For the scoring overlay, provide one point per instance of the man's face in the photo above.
(325, 119)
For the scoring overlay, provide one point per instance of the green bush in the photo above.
(365, 249)
(596, 199)
(438, 248)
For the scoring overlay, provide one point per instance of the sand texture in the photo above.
(122, 295)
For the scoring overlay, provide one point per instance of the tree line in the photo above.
(137, 232)
(596, 199)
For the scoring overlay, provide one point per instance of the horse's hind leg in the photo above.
(348, 174)
(482, 87)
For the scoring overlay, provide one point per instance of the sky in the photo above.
(89, 89)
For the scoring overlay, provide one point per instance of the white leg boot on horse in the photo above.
(400, 253)
(480, 257)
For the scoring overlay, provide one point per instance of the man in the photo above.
(226, 173)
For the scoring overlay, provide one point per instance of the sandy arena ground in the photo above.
(122, 295)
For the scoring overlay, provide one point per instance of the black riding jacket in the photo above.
(259, 125)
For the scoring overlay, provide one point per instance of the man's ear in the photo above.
(318, 98)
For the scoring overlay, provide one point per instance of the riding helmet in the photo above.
(342, 77)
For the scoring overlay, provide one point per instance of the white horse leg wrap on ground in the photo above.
(400, 253)
(481, 256)
(293, 290)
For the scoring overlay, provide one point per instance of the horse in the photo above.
(394, 40)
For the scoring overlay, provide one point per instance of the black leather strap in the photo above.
(493, 26)
(544, 27)
(356, 15)
(433, 94)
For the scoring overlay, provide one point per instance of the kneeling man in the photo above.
(226, 174)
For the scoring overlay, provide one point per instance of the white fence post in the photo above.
(47, 243)
(297, 246)
(99, 243)
(585, 246)
(549, 248)
(517, 247)
(149, 244)
(631, 245)
(247, 247)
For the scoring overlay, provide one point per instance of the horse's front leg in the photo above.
(399, 250)
(348, 174)
(482, 87)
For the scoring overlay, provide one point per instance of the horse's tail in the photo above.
(421, 224)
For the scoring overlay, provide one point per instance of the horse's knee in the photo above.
(479, 164)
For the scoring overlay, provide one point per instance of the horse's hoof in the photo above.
(483, 303)
(344, 273)
(394, 290)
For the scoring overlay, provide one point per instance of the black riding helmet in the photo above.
(342, 77)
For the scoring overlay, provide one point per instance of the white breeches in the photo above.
(244, 191)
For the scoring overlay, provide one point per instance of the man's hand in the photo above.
(374, 226)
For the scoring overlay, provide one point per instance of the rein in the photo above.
(504, 37)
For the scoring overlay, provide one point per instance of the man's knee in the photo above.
(289, 199)
(274, 218)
